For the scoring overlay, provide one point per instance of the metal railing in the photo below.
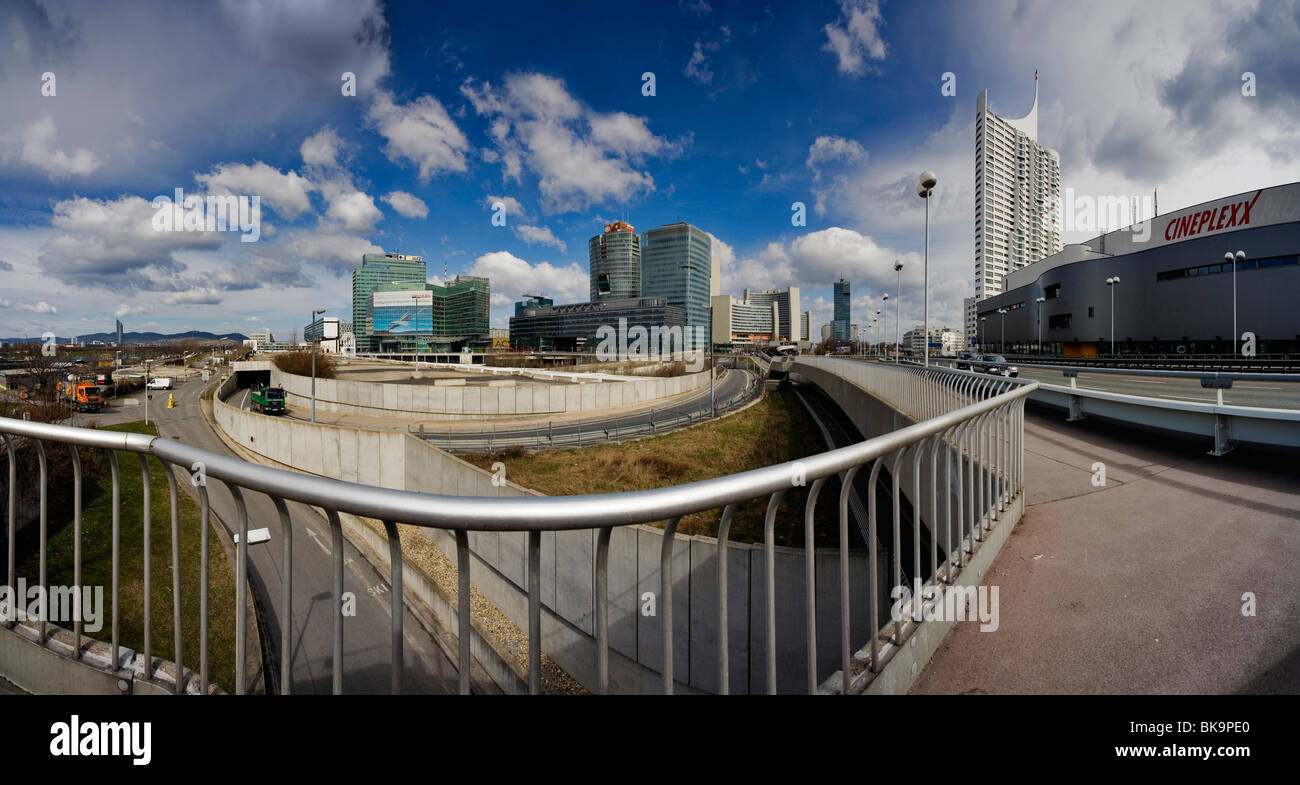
(972, 429)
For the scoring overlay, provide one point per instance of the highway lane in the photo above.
(366, 636)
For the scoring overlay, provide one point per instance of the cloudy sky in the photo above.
(838, 105)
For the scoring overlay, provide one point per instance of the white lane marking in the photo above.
(1186, 398)
(1146, 381)
(243, 404)
(1257, 386)
(317, 540)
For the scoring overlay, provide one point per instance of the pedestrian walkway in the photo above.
(1137, 585)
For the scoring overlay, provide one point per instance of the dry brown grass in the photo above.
(775, 430)
(299, 363)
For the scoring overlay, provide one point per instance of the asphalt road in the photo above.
(366, 647)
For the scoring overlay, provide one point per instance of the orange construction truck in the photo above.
(82, 396)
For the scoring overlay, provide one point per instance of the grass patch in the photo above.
(97, 564)
(774, 430)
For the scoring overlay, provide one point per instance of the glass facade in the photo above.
(677, 264)
(615, 263)
(840, 324)
(574, 327)
(377, 270)
(427, 317)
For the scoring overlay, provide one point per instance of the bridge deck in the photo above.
(1136, 587)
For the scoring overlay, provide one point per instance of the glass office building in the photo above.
(428, 317)
(378, 270)
(615, 261)
(574, 327)
(677, 263)
(840, 324)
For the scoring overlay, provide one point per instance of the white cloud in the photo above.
(540, 235)
(321, 148)
(420, 132)
(513, 208)
(833, 148)
(855, 36)
(580, 156)
(198, 296)
(40, 307)
(407, 205)
(697, 67)
(124, 310)
(513, 277)
(349, 208)
(287, 193)
(39, 150)
(329, 248)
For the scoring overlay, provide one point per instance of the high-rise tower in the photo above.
(615, 257)
(1017, 187)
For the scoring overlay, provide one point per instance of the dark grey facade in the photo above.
(1171, 299)
(573, 327)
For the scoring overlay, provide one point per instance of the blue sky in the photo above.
(834, 104)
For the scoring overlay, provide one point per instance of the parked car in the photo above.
(995, 364)
(964, 360)
(160, 383)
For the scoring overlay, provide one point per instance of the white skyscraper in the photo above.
(1017, 185)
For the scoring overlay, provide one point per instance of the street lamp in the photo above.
(1112, 283)
(313, 362)
(146, 391)
(884, 326)
(923, 190)
(1003, 345)
(898, 268)
(983, 319)
(1040, 301)
(1235, 261)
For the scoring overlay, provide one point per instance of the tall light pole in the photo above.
(146, 391)
(313, 362)
(1002, 347)
(1235, 261)
(898, 316)
(1112, 283)
(923, 190)
(983, 319)
(1040, 301)
(884, 327)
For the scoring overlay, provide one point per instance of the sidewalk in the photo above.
(1136, 587)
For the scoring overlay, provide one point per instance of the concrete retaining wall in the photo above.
(586, 393)
(398, 460)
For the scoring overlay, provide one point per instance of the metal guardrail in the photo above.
(976, 420)
(1264, 363)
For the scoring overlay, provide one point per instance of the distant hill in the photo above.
(139, 338)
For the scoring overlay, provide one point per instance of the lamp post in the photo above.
(1002, 347)
(884, 327)
(923, 190)
(313, 362)
(713, 405)
(146, 392)
(1112, 283)
(1040, 301)
(1235, 261)
(983, 319)
(898, 316)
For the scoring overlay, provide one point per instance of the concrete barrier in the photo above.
(453, 399)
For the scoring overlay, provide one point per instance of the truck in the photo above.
(160, 383)
(82, 396)
(268, 400)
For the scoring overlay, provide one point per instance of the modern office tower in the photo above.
(1017, 188)
(119, 333)
(615, 259)
(575, 327)
(788, 302)
(742, 323)
(677, 263)
(805, 326)
(826, 331)
(422, 316)
(840, 324)
(853, 333)
(532, 302)
(375, 271)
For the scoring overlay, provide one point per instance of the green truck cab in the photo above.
(268, 400)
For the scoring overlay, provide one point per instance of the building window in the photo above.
(1052, 292)
(1060, 321)
(1091, 311)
